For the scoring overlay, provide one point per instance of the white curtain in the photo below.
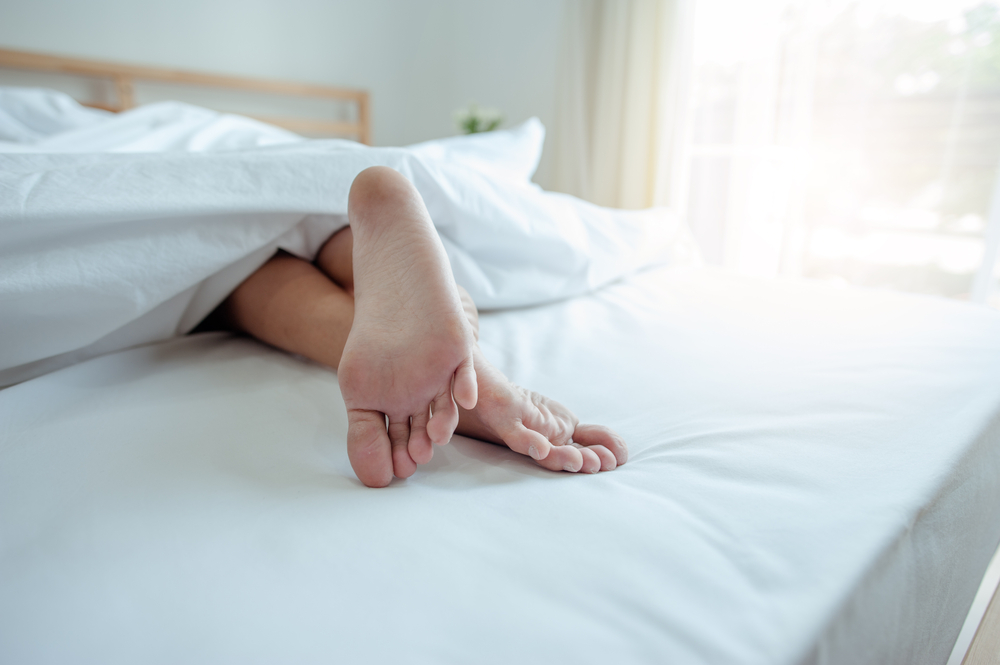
(620, 112)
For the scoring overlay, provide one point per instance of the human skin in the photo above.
(381, 307)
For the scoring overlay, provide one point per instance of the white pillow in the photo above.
(509, 153)
(31, 114)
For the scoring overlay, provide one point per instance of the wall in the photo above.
(420, 59)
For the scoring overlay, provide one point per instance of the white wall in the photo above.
(420, 59)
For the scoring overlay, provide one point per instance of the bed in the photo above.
(812, 479)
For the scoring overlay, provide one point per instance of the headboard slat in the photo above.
(124, 77)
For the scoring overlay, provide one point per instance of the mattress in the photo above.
(812, 479)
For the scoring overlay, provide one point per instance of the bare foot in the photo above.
(534, 425)
(410, 349)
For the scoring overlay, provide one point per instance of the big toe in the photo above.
(368, 447)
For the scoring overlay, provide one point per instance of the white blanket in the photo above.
(122, 230)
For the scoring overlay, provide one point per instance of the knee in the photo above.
(375, 189)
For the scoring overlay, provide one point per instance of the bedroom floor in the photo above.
(985, 649)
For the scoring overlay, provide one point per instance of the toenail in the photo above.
(569, 467)
(534, 452)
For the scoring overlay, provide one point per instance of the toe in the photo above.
(368, 447)
(528, 442)
(608, 460)
(466, 388)
(563, 458)
(598, 435)
(444, 420)
(420, 446)
(591, 462)
(399, 433)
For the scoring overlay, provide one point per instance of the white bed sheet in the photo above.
(812, 479)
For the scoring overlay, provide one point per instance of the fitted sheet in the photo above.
(812, 478)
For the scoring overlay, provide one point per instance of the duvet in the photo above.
(123, 230)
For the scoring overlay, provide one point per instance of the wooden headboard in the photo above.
(124, 76)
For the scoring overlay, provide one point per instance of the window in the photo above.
(852, 142)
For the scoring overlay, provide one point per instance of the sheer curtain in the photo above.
(620, 112)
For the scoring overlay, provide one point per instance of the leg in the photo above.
(290, 304)
(336, 259)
